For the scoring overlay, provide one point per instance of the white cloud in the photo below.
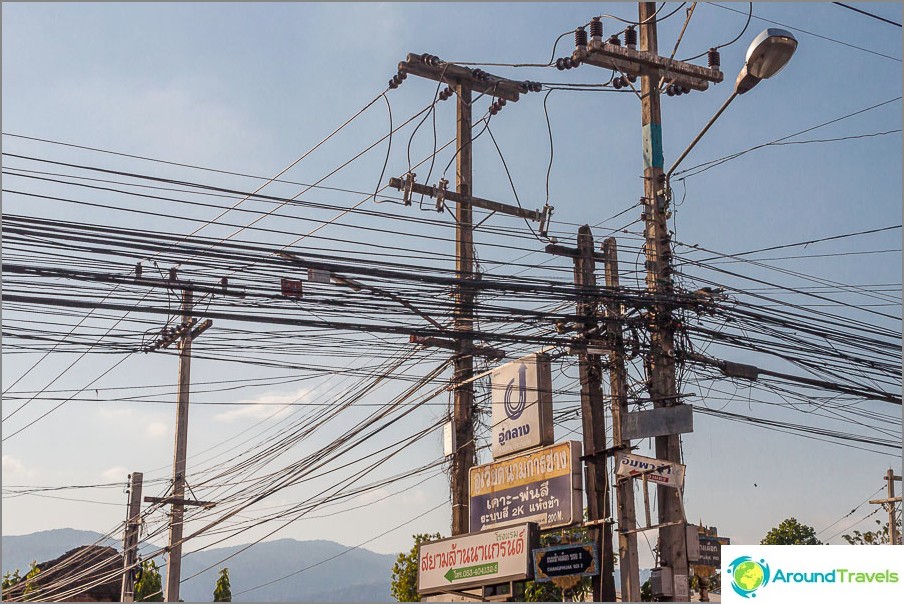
(115, 474)
(157, 429)
(276, 405)
(12, 465)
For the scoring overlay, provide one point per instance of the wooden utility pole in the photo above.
(596, 477)
(890, 502)
(618, 391)
(464, 457)
(174, 561)
(130, 537)
(663, 384)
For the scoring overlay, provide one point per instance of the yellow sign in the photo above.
(544, 464)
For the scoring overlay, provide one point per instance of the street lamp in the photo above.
(766, 56)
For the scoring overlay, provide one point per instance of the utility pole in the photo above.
(890, 502)
(464, 456)
(629, 569)
(596, 476)
(130, 537)
(663, 384)
(463, 81)
(174, 561)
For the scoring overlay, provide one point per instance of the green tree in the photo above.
(791, 532)
(148, 586)
(223, 592)
(646, 591)
(10, 579)
(404, 572)
(31, 584)
(878, 537)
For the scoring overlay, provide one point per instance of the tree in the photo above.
(404, 572)
(31, 584)
(148, 586)
(222, 592)
(10, 579)
(791, 532)
(878, 537)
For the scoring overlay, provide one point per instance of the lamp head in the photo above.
(766, 56)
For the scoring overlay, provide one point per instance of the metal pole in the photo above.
(663, 388)
(464, 456)
(593, 421)
(618, 388)
(174, 561)
(130, 537)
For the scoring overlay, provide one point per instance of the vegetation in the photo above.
(223, 592)
(148, 586)
(550, 592)
(791, 532)
(404, 572)
(11, 579)
(878, 537)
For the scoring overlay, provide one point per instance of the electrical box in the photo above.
(693, 543)
(661, 582)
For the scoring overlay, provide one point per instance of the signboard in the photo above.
(521, 392)
(543, 486)
(658, 422)
(666, 473)
(448, 438)
(566, 560)
(290, 288)
(495, 556)
(318, 276)
(711, 550)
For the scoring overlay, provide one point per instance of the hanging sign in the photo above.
(665, 473)
(521, 393)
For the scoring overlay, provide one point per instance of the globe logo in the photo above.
(748, 575)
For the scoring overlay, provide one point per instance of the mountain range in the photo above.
(324, 571)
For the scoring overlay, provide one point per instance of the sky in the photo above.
(251, 87)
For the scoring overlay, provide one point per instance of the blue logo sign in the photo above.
(512, 409)
(748, 575)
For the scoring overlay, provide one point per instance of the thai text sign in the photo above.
(543, 486)
(666, 473)
(495, 556)
(566, 560)
(678, 419)
(521, 392)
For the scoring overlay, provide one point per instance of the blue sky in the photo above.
(250, 87)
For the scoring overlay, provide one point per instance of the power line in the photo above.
(868, 14)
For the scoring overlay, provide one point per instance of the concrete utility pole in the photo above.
(130, 537)
(618, 390)
(174, 561)
(663, 384)
(596, 476)
(464, 457)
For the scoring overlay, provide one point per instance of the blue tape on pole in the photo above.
(652, 146)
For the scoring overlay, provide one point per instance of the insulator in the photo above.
(670, 90)
(537, 86)
(172, 274)
(494, 109)
(402, 75)
(632, 78)
(580, 37)
(617, 83)
(685, 90)
(431, 60)
(392, 84)
(501, 102)
(614, 41)
(596, 28)
(138, 271)
(560, 64)
(631, 37)
(713, 59)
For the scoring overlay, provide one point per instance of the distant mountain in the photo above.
(324, 571)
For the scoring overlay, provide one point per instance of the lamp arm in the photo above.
(699, 136)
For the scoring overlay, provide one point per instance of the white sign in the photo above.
(666, 473)
(486, 558)
(812, 573)
(522, 405)
(449, 438)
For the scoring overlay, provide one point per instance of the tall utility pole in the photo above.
(890, 502)
(663, 384)
(618, 390)
(596, 477)
(174, 561)
(130, 537)
(464, 456)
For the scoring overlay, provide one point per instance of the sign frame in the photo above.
(654, 470)
(472, 551)
(677, 419)
(542, 577)
(544, 486)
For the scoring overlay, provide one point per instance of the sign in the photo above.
(543, 486)
(291, 288)
(711, 550)
(566, 560)
(449, 438)
(318, 276)
(666, 473)
(658, 422)
(495, 556)
(521, 393)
